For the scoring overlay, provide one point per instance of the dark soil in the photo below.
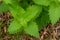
(48, 33)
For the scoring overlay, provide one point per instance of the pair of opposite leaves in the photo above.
(22, 19)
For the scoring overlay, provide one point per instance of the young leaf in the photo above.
(14, 27)
(42, 2)
(16, 11)
(32, 12)
(32, 29)
(54, 12)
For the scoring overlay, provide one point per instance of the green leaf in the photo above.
(3, 7)
(54, 13)
(14, 27)
(32, 12)
(16, 11)
(42, 2)
(32, 29)
(7, 1)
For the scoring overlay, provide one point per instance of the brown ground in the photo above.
(48, 33)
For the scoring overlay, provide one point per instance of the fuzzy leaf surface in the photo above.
(14, 27)
(32, 29)
(54, 12)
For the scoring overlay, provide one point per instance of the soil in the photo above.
(49, 32)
